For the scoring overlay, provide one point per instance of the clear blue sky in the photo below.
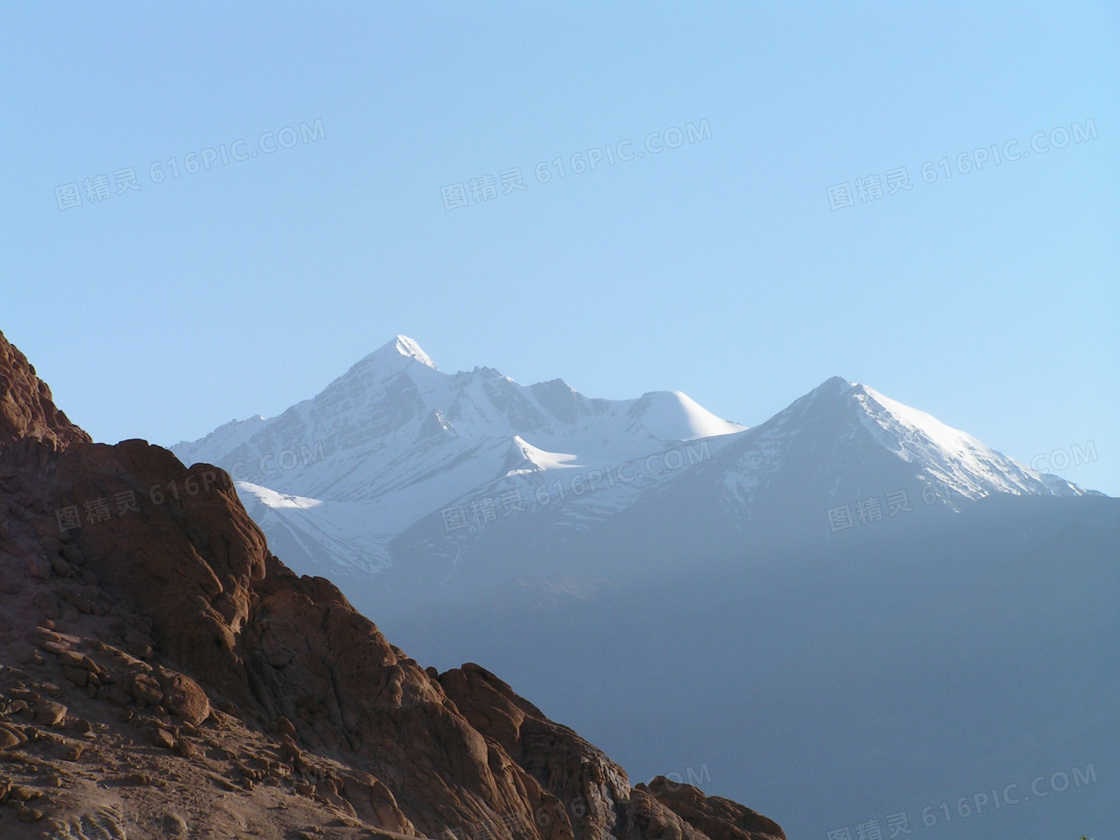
(989, 298)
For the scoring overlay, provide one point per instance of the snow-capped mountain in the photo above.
(334, 478)
(841, 458)
(399, 466)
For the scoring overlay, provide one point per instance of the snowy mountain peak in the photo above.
(883, 413)
(372, 373)
(831, 388)
(895, 426)
(854, 442)
(398, 349)
(673, 415)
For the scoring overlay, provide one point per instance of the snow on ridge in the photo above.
(971, 467)
(407, 347)
(542, 459)
(847, 422)
(384, 364)
(397, 388)
(276, 500)
(399, 349)
(912, 419)
(673, 415)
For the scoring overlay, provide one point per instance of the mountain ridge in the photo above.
(404, 444)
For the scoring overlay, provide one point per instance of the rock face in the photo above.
(26, 407)
(148, 636)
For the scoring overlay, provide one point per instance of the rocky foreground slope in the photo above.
(162, 674)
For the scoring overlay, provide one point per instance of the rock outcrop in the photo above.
(162, 674)
(26, 407)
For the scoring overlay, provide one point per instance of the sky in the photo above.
(269, 193)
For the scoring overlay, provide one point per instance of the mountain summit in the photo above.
(401, 346)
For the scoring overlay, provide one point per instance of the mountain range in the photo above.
(849, 612)
(407, 482)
